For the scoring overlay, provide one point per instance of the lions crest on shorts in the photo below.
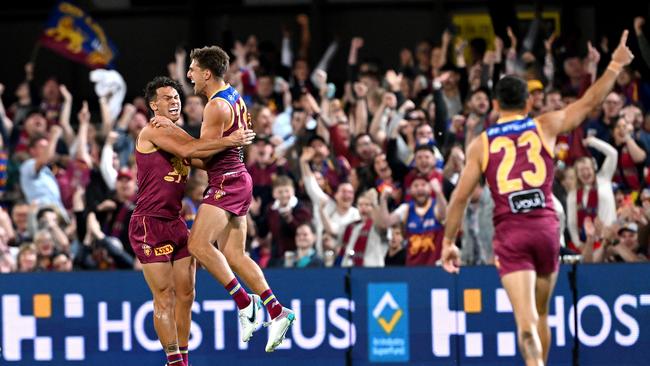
(219, 193)
(146, 249)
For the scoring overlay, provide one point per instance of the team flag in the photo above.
(72, 33)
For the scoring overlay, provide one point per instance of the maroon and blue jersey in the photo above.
(518, 167)
(424, 236)
(232, 159)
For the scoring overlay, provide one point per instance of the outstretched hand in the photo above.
(84, 114)
(622, 53)
(161, 122)
(307, 153)
(450, 256)
(241, 137)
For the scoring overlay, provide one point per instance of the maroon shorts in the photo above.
(527, 245)
(231, 192)
(156, 240)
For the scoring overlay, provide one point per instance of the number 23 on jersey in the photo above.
(534, 177)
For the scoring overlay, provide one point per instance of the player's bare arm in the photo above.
(469, 178)
(567, 119)
(176, 141)
(216, 117)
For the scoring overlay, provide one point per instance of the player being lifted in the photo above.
(221, 218)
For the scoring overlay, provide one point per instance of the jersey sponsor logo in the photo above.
(511, 128)
(164, 250)
(146, 249)
(525, 201)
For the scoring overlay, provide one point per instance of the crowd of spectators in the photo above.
(345, 174)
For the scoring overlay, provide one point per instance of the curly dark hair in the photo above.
(150, 91)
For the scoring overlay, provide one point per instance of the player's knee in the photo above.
(195, 248)
(527, 321)
(542, 310)
(164, 301)
(185, 296)
(527, 325)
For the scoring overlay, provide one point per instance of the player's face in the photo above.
(195, 74)
(167, 103)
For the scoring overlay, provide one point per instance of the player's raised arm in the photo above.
(575, 113)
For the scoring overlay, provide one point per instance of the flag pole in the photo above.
(35, 50)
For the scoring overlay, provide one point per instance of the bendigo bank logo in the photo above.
(387, 301)
(164, 250)
(388, 331)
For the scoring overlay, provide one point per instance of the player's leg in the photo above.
(520, 287)
(210, 222)
(232, 244)
(209, 225)
(543, 289)
(184, 281)
(160, 280)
